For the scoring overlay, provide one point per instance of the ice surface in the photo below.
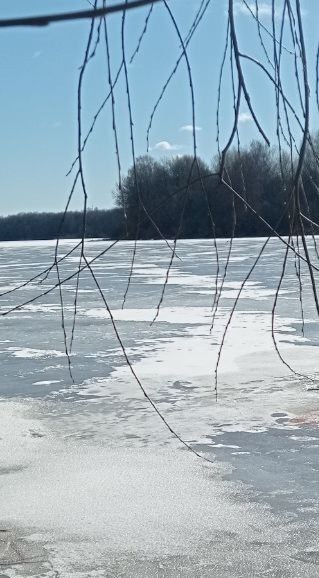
(94, 485)
(28, 352)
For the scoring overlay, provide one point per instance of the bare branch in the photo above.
(73, 16)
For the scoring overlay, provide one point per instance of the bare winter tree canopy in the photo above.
(284, 146)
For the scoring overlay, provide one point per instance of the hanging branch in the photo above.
(73, 16)
(282, 41)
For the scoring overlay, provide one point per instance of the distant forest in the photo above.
(177, 197)
(29, 226)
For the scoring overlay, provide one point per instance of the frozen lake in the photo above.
(92, 482)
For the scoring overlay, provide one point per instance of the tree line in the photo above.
(183, 197)
(36, 226)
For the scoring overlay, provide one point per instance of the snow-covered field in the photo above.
(92, 482)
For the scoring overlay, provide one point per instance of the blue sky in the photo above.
(39, 71)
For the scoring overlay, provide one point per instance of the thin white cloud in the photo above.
(244, 117)
(36, 54)
(190, 128)
(264, 9)
(166, 146)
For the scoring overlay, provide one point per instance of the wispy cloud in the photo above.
(244, 117)
(264, 9)
(166, 146)
(36, 54)
(190, 128)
